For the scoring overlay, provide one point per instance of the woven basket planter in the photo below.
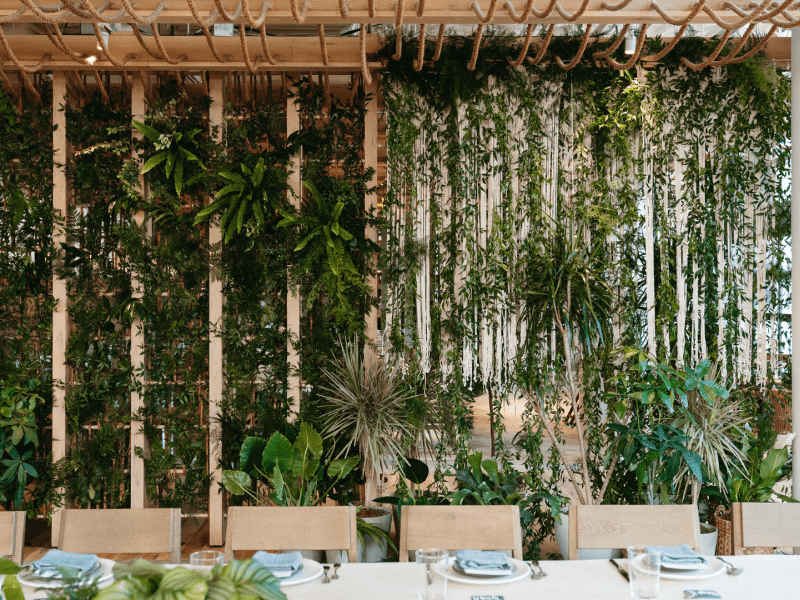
(724, 525)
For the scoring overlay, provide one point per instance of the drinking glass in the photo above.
(431, 569)
(644, 570)
(206, 558)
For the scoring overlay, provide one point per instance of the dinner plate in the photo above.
(290, 574)
(521, 571)
(309, 571)
(57, 575)
(458, 569)
(713, 568)
(103, 574)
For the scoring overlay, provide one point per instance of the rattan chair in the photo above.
(608, 526)
(122, 531)
(291, 528)
(463, 527)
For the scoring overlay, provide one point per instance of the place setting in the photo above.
(291, 568)
(56, 567)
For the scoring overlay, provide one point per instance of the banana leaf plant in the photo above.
(294, 472)
(174, 149)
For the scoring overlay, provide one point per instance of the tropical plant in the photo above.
(368, 531)
(486, 483)
(293, 471)
(19, 442)
(364, 402)
(714, 427)
(655, 454)
(563, 284)
(246, 199)
(238, 580)
(176, 149)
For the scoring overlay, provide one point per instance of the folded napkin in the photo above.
(47, 565)
(281, 565)
(679, 556)
(481, 562)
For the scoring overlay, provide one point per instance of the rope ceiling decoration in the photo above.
(255, 50)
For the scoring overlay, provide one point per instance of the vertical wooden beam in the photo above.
(138, 487)
(293, 293)
(371, 199)
(216, 372)
(60, 312)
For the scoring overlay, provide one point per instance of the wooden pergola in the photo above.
(35, 40)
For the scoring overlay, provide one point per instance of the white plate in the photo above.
(521, 571)
(310, 571)
(56, 575)
(104, 574)
(713, 568)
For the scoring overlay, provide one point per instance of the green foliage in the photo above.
(238, 580)
(76, 586)
(12, 589)
(294, 472)
(485, 483)
(175, 149)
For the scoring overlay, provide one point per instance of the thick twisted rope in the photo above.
(726, 59)
(476, 8)
(298, 13)
(97, 13)
(204, 25)
(60, 44)
(162, 51)
(571, 64)
(420, 8)
(711, 58)
(10, 88)
(101, 43)
(659, 55)
(678, 22)
(265, 46)
(34, 8)
(613, 47)
(362, 36)
(344, 8)
(526, 12)
(632, 61)
(137, 18)
(439, 40)
(525, 45)
(224, 13)
(752, 52)
(420, 50)
(545, 43)
(146, 87)
(398, 26)
(14, 16)
(576, 15)
(476, 46)
(612, 7)
(16, 61)
(736, 24)
(245, 52)
(255, 24)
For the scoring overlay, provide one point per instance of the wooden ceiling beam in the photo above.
(452, 12)
(292, 53)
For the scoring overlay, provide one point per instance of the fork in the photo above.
(732, 571)
(541, 571)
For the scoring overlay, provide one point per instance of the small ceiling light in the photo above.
(91, 59)
(630, 42)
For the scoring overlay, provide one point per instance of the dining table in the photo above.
(764, 577)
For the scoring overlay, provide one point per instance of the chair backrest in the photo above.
(462, 527)
(764, 524)
(122, 530)
(616, 527)
(12, 534)
(291, 528)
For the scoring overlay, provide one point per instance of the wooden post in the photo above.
(371, 199)
(60, 312)
(138, 488)
(293, 293)
(216, 372)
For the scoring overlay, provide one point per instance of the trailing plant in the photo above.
(19, 443)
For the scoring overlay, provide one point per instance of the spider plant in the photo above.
(365, 403)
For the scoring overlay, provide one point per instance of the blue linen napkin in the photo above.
(46, 566)
(281, 565)
(482, 562)
(679, 556)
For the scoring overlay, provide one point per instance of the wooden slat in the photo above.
(12, 534)
(293, 293)
(128, 530)
(460, 528)
(138, 440)
(765, 524)
(436, 11)
(371, 200)
(216, 373)
(60, 312)
(291, 528)
(609, 526)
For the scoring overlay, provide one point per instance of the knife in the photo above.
(622, 571)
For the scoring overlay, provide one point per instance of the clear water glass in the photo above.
(644, 570)
(206, 558)
(431, 573)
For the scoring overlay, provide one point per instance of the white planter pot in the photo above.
(562, 539)
(336, 556)
(708, 539)
(317, 555)
(372, 551)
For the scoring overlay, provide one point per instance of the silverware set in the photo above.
(326, 568)
(537, 573)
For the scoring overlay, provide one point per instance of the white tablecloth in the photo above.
(764, 578)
